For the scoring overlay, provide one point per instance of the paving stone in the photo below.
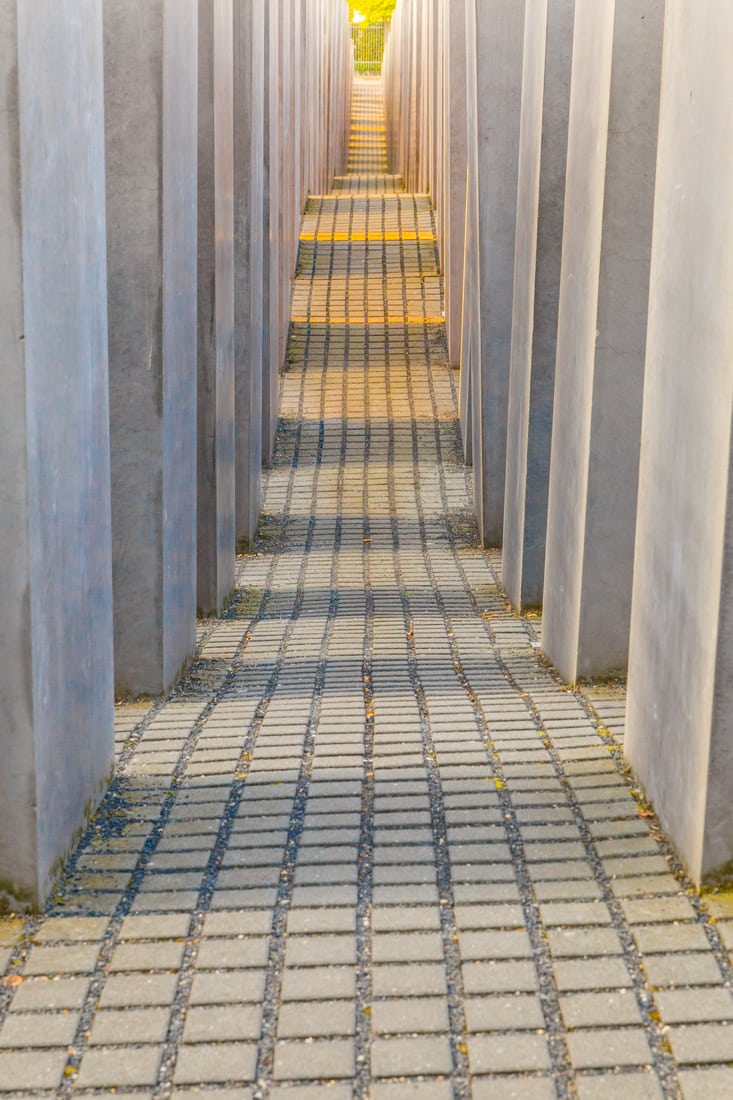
(318, 983)
(517, 1012)
(499, 977)
(499, 1053)
(232, 954)
(682, 969)
(599, 1009)
(494, 945)
(211, 1063)
(707, 1084)
(227, 1024)
(228, 987)
(707, 1042)
(411, 1057)
(122, 990)
(315, 1019)
(576, 942)
(514, 1088)
(48, 993)
(36, 1069)
(416, 980)
(321, 950)
(609, 1047)
(69, 959)
(679, 1006)
(164, 955)
(412, 1090)
(322, 1058)
(411, 1015)
(407, 947)
(118, 1066)
(130, 1025)
(620, 1086)
(22, 1029)
(601, 973)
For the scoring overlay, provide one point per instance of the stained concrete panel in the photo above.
(612, 143)
(151, 147)
(249, 197)
(216, 520)
(548, 48)
(495, 39)
(454, 170)
(56, 658)
(680, 694)
(272, 237)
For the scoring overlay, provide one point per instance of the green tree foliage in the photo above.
(374, 11)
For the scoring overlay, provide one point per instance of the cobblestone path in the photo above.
(371, 847)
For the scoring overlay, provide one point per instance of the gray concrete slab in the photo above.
(249, 245)
(56, 659)
(680, 702)
(455, 165)
(602, 335)
(216, 522)
(495, 36)
(548, 49)
(271, 265)
(151, 151)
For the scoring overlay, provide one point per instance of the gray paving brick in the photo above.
(582, 942)
(608, 1047)
(232, 954)
(44, 993)
(494, 945)
(318, 983)
(517, 1012)
(315, 1019)
(129, 1025)
(211, 1063)
(599, 973)
(620, 1086)
(36, 1069)
(513, 1088)
(164, 955)
(499, 977)
(228, 987)
(407, 947)
(117, 1066)
(500, 1053)
(679, 1006)
(320, 950)
(227, 1024)
(682, 969)
(600, 1009)
(411, 1057)
(22, 1029)
(412, 1090)
(707, 1084)
(416, 980)
(322, 1058)
(410, 1015)
(707, 1042)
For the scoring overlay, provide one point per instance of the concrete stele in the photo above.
(680, 694)
(548, 49)
(612, 142)
(495, 37)
(249, 199)
(216, 403)
(151, 156)
(56, 740)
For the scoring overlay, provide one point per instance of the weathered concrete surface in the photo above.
(455, 163)
(216, 403)
(548, 50)
(271, 264)
(151, 148)
(612, 145)
(56, 739)
(249, 199)
(495, 37)
(680, 706)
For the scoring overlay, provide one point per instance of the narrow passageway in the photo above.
(370, 847)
